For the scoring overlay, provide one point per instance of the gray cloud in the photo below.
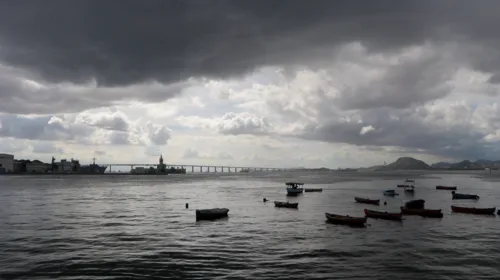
(43, 147)
(173, 40)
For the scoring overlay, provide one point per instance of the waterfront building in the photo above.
(6, 163)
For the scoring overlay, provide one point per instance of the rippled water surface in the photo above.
(125, 227)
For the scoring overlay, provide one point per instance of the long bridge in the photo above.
(199, 168)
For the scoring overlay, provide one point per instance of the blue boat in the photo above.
(390, 193)
(294, 188)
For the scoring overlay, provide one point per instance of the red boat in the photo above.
(429, 213)
(473, 210)
(450, 188)
(383, 215)
(345, 220)
(367, 200)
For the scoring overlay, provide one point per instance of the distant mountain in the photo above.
(402, 163)
(406, 163)
(467, 164)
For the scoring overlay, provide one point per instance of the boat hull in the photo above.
(293, 191)
(280, 204)
(367, 200)
(429, 213)
(383, 215)
(313, 190)
(345, 220)
(390, 193)
(211, 214)
(464, 196)
(449, 188)
(473, 210)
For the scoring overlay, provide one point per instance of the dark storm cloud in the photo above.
(123, 42)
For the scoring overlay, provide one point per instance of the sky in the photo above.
(282, 83)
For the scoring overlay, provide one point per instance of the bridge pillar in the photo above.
(208, 169)
(222, 169)
(192, 169)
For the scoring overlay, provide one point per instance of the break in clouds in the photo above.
(421, 76)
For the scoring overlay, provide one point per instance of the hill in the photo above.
(402, 163)
(467, 164)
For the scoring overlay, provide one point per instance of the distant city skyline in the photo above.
(317, 84)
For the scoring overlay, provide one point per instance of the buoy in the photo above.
(187, 205)
(265, 199)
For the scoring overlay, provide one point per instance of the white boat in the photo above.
(294, 188)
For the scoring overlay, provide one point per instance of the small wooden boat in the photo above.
(406, 183)
(313, 190)
(429, 213)
(383, 215)
(367, 200)
(294, 188)
(211, 214)
(390, 193)
(473, 210)
(463, 196)
(345, 220)
(450, 188)
(286, 204)
(415, 204)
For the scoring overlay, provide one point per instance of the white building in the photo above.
(7, 162)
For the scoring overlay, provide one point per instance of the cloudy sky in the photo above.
(252, 83)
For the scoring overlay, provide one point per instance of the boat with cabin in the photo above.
(345, 220)
(294, 188)
(473, 210)
(406, 183)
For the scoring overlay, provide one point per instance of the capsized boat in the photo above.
(367, 200)
(211, 214)
(429, 213)
(294, 188)
(286, 204)
(313, 190)
(473, 210)
(383, 215)
(390, 193)
(463, 196)
(345, 219)
(450, 188)
(406, 183)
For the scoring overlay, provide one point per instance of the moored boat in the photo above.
(450, 188)
(345, 219)
(415, 204)
(473, 210)
(294, 188)
(463, 196)
(383, 215)
(409, 189)
(406, 183)
(211, 214)
(286, 204)
(313, 190)
(390, 193)
(367, 200)
(429, 213)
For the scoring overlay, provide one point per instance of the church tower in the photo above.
(161, 166)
